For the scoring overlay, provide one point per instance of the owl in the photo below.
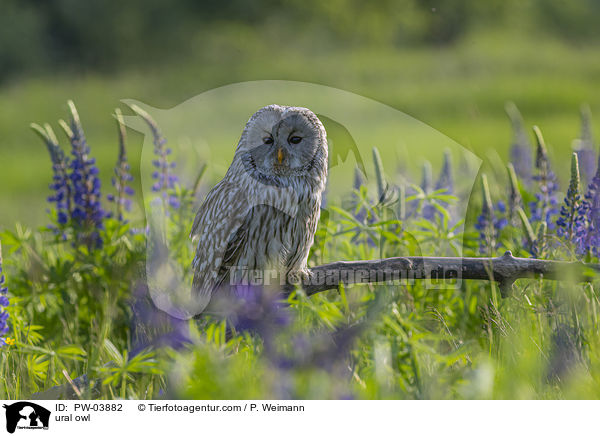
(259, 221)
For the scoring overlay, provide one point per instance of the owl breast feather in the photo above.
(272, 242)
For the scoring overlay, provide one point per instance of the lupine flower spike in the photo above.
(428, 211)
(520, 150)
(3, 303)
(588, 236)
(359, 180)
(485, 220)
(569, 221)
(164, 179)
(545, 205)
(427, 178)
(444, 184)
(61, 185)
(359, 207)
(488, 224)
(585, 146)
(87, 212)
(445, 180)
(122, 174)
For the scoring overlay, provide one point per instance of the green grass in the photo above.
(459, 90)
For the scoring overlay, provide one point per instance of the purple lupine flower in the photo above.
(588, 235)
(87, 208)
(426, 178)
(359, 181)
(61, 185)
(520, 150)
(593, 231)
(445, 181)
(257, 309)
(491, 220)
(264, 312)
(151, 326)
(545, 205)
(3, 303)
(585, 147)
(570, 221)
(164, 180)
(325, 350)
(122, 174)
(358, 210)
(427, 211)
(140, 230)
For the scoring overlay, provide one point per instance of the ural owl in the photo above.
(263, 215)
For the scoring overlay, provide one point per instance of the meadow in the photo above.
(78, 303)
(459, 90)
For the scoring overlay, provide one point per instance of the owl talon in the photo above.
(297, 277)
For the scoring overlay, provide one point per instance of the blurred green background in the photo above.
(452, 64)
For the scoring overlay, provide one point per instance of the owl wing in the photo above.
(218, 227)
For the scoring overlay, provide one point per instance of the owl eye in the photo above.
(295, 140)
(268, 140)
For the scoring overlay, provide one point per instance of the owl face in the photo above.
(282, 141)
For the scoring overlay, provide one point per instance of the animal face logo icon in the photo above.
(24, 414)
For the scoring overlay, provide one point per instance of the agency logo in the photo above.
(26, 415)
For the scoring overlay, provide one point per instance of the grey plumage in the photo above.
(262, 216)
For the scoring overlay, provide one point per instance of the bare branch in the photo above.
(504, 270)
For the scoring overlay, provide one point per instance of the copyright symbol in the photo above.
(141, 407)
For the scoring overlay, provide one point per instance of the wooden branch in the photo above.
(504, 270)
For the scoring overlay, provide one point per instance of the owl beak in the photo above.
(280, 155)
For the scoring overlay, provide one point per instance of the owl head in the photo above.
(281, 141)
